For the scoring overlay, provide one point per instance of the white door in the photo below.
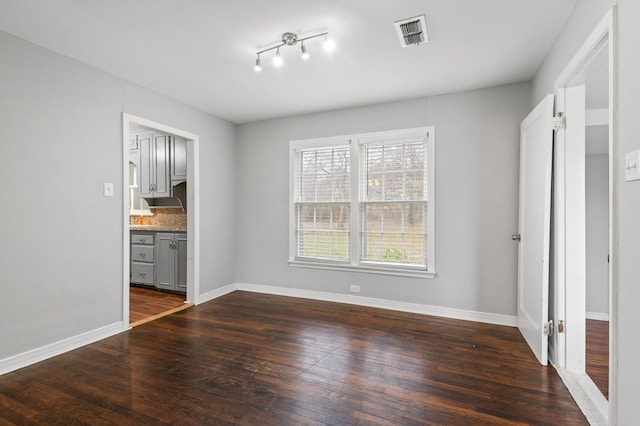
(536, 149)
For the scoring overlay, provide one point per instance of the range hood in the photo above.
(178, 201)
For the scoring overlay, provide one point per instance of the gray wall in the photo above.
(61, 138)
(626, 267)
(628, 212)
(477, 156)
(597, 241)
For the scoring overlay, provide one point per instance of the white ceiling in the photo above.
(202, 52)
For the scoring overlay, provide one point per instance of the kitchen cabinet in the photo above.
(133, 143)
(178, 160)
(142, 269)
(171, 263)
(154, 165)
(160, 161)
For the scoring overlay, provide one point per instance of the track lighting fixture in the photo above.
(291, 39)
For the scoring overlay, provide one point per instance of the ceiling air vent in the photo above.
(412, 31)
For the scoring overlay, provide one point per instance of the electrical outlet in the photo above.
(355, 289)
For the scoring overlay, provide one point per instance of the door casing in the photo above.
(569, 305)
(193, 210)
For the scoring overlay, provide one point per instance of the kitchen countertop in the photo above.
(158, 228)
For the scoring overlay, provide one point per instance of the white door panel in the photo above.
(536, 149)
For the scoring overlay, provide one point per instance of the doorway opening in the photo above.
(583, 239)
(160, 221)
(597, 257)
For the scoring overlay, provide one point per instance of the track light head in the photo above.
(277, 60)
(329, 44)
(305, 54)
(258, 66)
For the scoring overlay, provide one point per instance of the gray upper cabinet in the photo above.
(178, 160)
(171, 261)
(154, 166)
(133, 143)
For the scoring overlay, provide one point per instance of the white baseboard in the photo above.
(598, 316)
(592, 403)
(214, 294)
(439, 311)
(24, 359)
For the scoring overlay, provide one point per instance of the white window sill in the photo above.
(397, 272)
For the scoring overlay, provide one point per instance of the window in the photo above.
(364, 202)
(322, 203)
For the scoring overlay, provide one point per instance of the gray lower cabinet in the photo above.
(142, 259)
(171, 261)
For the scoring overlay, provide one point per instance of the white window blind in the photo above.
(322, 203)
(393, 202)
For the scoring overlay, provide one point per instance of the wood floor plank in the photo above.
(146, 303)
(249, 358)
(598, 354)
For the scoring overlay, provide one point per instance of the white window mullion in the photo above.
(354, 217)
(315, 226)
(331, 232)
(430, 197)
(403, 233)
(294, 242)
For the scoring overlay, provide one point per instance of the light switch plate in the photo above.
(632, 166)
(108, 189)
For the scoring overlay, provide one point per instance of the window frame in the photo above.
(355, 142)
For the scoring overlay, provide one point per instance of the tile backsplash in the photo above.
(173, 217)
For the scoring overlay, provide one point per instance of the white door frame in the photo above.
(193, 209)
(565, 277)
(570, 146)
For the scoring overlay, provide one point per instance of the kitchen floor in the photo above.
(147, 304)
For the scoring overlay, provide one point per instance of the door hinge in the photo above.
(548, 328)
(558, 121)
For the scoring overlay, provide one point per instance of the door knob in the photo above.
(515, 237)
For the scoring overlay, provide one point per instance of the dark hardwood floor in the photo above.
(598, 354)
(256, 359)
(147, 304)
